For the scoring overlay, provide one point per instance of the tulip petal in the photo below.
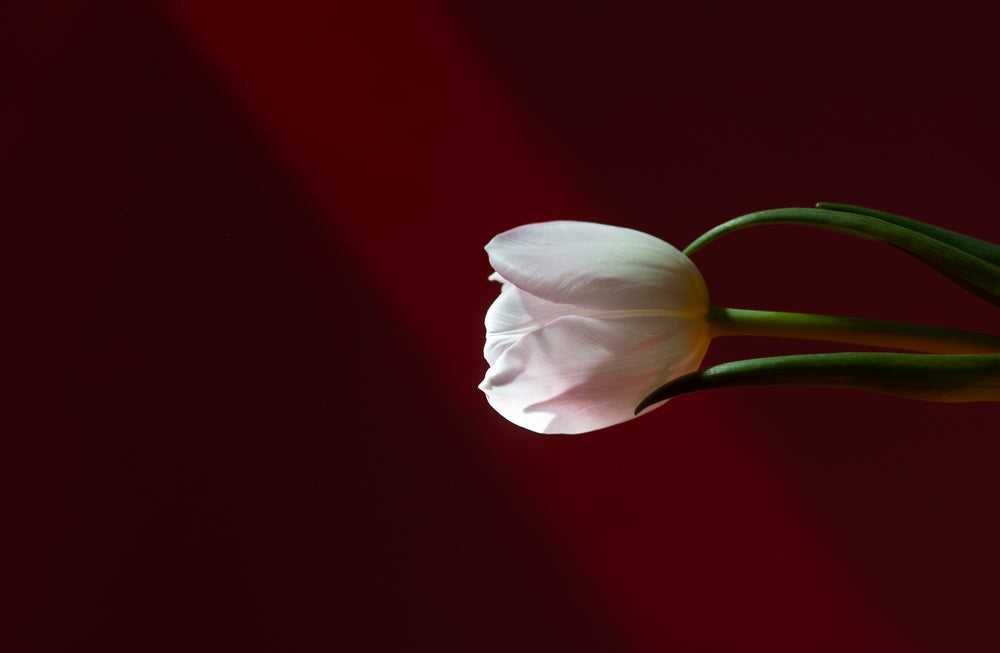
(514, 313)
(518, 310)
(578, 374)
(624, 268)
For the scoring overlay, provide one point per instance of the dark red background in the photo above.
(243, 270)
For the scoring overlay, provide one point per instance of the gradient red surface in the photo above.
(243, 255)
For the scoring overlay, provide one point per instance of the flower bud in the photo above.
(590, 319)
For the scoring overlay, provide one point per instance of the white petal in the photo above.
(497, 344)
(516, 310)
(578, 374)
(514, 313)
(597, 266)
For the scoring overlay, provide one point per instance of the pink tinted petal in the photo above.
(597, 266)
(497, 344)
(513, 314)
(517, 310)
(579, 374)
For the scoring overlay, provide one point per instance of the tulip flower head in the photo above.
(590, 319)
(595, 324)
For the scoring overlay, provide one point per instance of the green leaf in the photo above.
(982, 294)
(979, 248)
(973, 273)
(929, 377)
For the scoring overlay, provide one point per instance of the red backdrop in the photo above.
(242, 259)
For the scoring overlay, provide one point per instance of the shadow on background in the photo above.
(207, 442)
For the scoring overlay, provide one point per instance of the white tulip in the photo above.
(590, 319)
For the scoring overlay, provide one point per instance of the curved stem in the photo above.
(928, 377)
(857, 331)
(957, 263)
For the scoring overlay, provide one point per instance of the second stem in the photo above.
(850, 330)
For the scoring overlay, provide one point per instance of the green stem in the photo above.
(950, 256)
(857, 331)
